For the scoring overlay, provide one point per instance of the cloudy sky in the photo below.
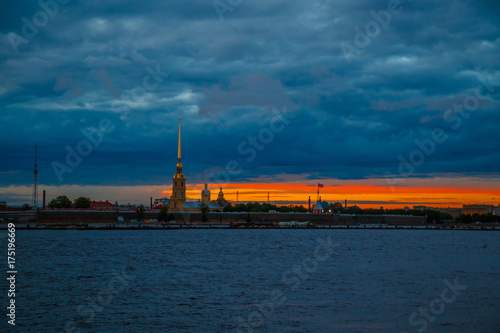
(381, 101)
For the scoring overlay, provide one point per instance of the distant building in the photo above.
(161, 202)
(101, 205)
(478, 209)
(205, 195)
(5, 208)
(496, 211)
(466, 210)
(454, 212)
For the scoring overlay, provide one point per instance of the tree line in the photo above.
(255, 207)
(63, 201)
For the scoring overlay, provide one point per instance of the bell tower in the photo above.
(178, 198)
(205, 195)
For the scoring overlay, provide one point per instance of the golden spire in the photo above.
(179, 153)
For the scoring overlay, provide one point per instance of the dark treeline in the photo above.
(255, 207)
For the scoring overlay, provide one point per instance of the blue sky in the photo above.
(349, 118)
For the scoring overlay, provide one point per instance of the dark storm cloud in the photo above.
(352, 119)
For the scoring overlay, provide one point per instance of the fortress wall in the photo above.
(111, 217)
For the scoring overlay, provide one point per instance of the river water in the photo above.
(256, 281)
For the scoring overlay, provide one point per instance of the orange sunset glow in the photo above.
(437, 192)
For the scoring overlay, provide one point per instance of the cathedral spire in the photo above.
(179, 151)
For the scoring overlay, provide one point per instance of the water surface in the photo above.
(255, 280)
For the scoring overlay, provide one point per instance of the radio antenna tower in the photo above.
(35, 180)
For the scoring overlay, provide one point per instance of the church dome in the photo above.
(206, 190)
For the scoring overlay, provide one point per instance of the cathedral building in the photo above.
(178, 199)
